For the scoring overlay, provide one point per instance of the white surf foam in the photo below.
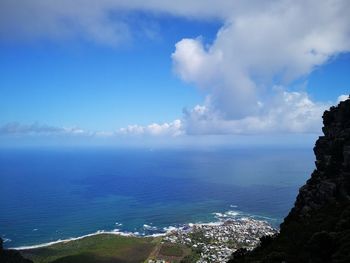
(148, 227)
(99, 232)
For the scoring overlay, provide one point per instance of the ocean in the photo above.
(60, 193)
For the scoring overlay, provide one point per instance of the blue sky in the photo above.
(97, 87)
(121, 70)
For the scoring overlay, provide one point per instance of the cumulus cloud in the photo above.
(254, 51)
(286, 112)
(165, 129)
(230, 90)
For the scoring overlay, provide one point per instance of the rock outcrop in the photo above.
(11, 255)
(317, 229)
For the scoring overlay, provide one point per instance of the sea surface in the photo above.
(52, 194)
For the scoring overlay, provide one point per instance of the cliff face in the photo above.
(317, 229)
(330, 181)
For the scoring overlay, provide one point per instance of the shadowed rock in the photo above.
(11, 255)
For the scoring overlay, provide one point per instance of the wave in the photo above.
(148, 227)
(6, 240)
(228, 214)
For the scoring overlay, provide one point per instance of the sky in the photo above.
(206, 72)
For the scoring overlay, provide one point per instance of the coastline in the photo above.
(231, 215)
(99, 232)
(214, 241)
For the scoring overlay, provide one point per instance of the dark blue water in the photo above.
(59, 193)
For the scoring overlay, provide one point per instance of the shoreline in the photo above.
(98, 232)
(167, 231)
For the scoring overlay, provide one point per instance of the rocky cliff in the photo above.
(317, 229)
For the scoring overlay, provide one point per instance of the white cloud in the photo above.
(228, 88)
(343, 97)
(101, 21)
(165, 129)
(286, 112)
(255, 50)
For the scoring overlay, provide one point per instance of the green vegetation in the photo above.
(102, 248)
(171, 250)
(192, 258)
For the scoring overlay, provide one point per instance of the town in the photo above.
(216, 242)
